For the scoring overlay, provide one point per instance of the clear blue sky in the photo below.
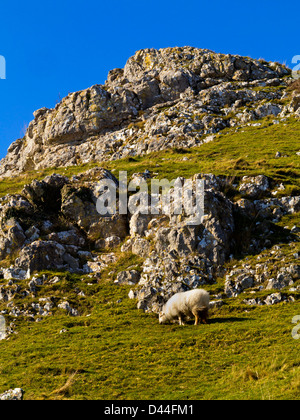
(55, 47)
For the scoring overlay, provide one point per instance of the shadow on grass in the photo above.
(226, 319)
(217, 320)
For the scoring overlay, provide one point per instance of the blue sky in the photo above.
(53, 48)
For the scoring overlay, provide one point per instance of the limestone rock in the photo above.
(66, 306)
(79, 207)
(167, 98)
(46, 192)
(12, 395)
(254, 186)
(128, 277)
(41, 255)
(12, 235)
(139, 108)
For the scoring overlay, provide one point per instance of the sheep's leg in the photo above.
(181, 320)
(203, 315)
(196, 315)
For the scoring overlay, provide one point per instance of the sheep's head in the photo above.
(162, 317)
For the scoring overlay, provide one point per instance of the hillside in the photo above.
(165, 98)
(80, 292)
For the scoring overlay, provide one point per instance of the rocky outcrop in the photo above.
(54, 225)
(254, 187)
(173, 97)
(37, 307)
(128, 277)
(180, 257)
(43, 255)
(12, 235)
(162, 98)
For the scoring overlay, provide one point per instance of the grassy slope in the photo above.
(248, 151)
(120, 352)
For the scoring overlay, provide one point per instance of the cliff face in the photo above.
(162, 98)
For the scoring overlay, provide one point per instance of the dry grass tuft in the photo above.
(295, 86)
(65, 390)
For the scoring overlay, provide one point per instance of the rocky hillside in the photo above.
(71, 280)
(173, 97)
(54, 225)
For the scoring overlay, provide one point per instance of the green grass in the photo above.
(119, 352)
(249, 151)
(114, 351)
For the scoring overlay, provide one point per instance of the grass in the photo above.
(294, 87)
(114, 351)
(119, 352)
(248, 151)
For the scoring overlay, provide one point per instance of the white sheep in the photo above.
(191, 303)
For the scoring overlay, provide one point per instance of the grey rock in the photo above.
(32, 234)
(281, 281)
(254, 186)
(253, 302)
(238, 285)
(92, 125)
(66, 306)
(13, 395)
(14, 273)
(128, 277)
(46, 193)
(141, 247)
(41, 255)
(70, 237)
(273, 299)
(79, 207)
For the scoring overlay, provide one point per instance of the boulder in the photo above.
(273, 299)
(13, 209)
(268, 109)
(183, 240)
(254, 187)
(12, 395)
(237, 286)
(79, 207)
(69, 237)
(41, 255)
(141, 247)
(128, 277)
(66, 306)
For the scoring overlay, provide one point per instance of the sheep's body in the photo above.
(186, 304)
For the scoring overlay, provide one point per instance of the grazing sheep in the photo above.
(191, 303)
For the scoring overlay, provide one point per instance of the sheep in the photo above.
(191, 303)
